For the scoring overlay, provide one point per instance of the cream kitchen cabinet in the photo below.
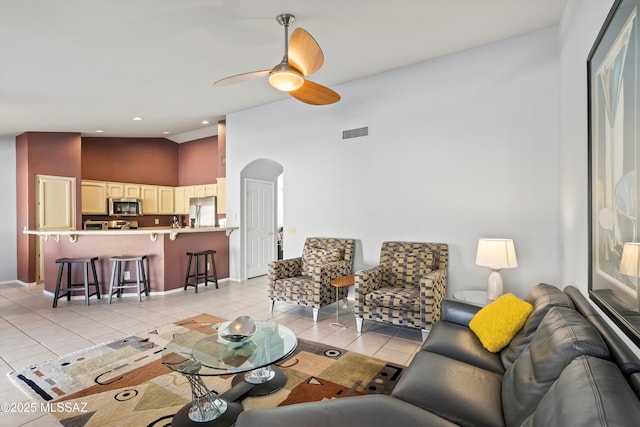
(165, 200)
(205, 190)
(179, 204)
(222, 195)
(156, 199)
(94, 197)
(181, 196)
(184, 193)
(115, 189)
(132, 191)
(149, 196)
(189, 193)
(198, 191)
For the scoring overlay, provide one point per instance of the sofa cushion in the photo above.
(542, 297)
(460, 343)
(497, 323)
(562, 336)
(589, 391)
(312, 257)
(457, 391)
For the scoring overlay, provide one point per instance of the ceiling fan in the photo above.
(302, 57)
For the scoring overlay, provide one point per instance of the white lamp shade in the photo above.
(496, 253)
(630, 260)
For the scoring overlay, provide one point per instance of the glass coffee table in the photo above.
(203, 352)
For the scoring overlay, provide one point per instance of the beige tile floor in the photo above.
(32, 331)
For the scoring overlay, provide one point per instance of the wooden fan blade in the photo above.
(304, 52)
(315, 94)
(238, 78)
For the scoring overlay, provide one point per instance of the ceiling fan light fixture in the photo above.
(285, 79)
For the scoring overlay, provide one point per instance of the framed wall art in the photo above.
(613, 69)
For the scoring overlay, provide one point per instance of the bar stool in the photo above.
(76, 287)
(201, 275)
(118, 282)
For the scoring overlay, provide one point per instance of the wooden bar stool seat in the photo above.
(76, 287)
(201, 259)
(119, 282)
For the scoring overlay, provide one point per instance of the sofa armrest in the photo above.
(284, 268)
(458, 312)
(357, 411)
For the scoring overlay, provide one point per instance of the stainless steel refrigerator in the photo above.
(203, 212)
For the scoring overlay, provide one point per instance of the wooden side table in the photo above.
(341, 282)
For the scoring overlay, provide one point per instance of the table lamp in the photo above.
(496, 254)
(630, 263)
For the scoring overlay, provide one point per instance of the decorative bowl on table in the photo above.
(239, 329)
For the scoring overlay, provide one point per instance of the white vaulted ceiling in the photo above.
(82, 66)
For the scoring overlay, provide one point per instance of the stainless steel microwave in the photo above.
(124, 207)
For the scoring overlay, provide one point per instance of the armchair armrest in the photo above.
(368, 280)
(433, 289)
(325, 273)
(282, 269)
(458, 312)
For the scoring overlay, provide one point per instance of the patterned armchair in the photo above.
(407, 287)
(307, 280)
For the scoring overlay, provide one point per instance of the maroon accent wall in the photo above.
(198, 161)
(151, 161)
(41, 153)
(154, 161)
(166, 266)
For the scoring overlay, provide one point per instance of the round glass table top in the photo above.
(204, 352)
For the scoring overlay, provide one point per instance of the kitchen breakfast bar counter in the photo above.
(165, 248)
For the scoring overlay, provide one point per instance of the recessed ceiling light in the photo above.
(137, 119)
(205, 122)
(99, 131)
(166, 132)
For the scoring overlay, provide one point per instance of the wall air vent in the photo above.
(355, 133)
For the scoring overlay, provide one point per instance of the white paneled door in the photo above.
(260, 226)
(55, 210)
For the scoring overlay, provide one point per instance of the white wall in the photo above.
(580, 25)
(461, 147)
(578, 30)
(8, 260)
(421, 174)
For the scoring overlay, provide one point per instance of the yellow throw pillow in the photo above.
(497, 323)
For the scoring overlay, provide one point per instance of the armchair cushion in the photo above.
(398, 298)
(406, 287)
(313, 257)
(306, 280)
(406, 268)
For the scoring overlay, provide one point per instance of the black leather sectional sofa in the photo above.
(565, 367)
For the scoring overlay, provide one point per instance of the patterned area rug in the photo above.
(124, 383)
